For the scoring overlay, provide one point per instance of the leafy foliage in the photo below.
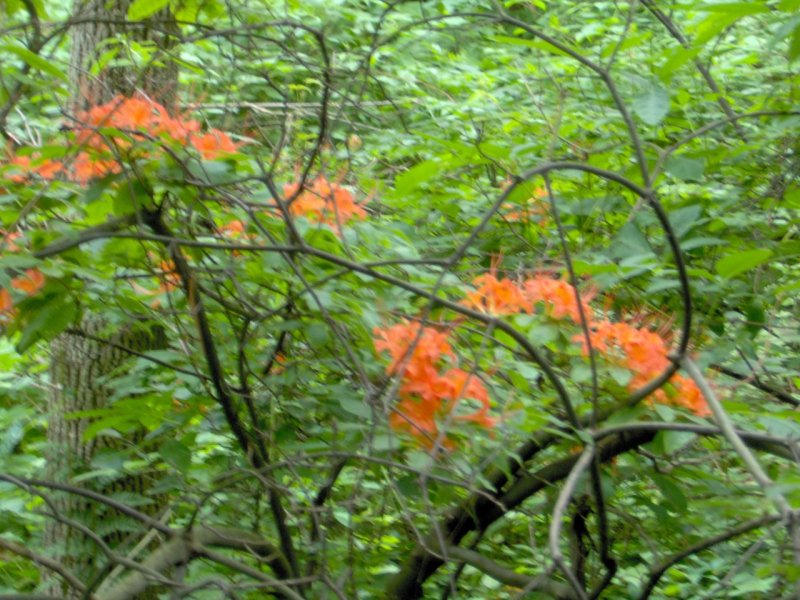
(434, 278)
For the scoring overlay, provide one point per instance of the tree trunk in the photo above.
(80, 362)
(101, 21)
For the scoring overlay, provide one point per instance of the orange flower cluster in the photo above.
(640, 350)
(644, 353)
(504, 296)
(24, 166)
(558, 297)
(138, 117)
(323, 202)
(428, 394)
(140, 114)
(31, 282)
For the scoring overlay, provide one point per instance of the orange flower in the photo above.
(85, 168)
(416, 417)
(234, 228)
(6, 303)
(30, 283)
(169, 276)
(689, 396)
(178, 129)
(7, 240)
(426, 395)
(503, 297)
(137, 113)
(463, 385)
(213, 144)
(558, 297)
(324, 202)
(644, 353)
(497, 296)
(429, 345)
(27, 165)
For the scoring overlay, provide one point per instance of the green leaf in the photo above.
(141, 9)
(736, 8)
(35, 61)
(652, 105)
(671, 492)
(417, 175)
(688, 169)
(630, 242)
(794, 45)
(535, 44)
(672, 441)
(684, 218)
(176, 454)
(359, 408)
(739, 262)
(47, 320)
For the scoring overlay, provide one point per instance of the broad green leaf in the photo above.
(409, 180)
(176, 454)
(536, 44)
(712, 26)
(739, 262)
(672, 441)
(356, 407)
(47, 320)
(676, 59)
(794, 45)
(630, 242)
(141, 9)
(652, 105)
(672, 493)
(736, 8)
(683, 167)
(35, 61)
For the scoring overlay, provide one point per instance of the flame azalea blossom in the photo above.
(638, 349)
(6, 303)
(233, 229)
(140, 119)
(170, 279)
(213, 144)
(429, 396)
(324, 202)
(7, 239)
(30, 283)
(429, 345)
(497, 296)
(504, 297)
(644, 353)
(558, 296)
(25, 166)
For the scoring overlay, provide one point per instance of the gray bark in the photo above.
(80, 364)
(100, 21)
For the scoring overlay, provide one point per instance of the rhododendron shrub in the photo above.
(321, 201)
(643, 352)
(123, 129)
(430, 389)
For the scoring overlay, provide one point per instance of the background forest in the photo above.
(362, 299)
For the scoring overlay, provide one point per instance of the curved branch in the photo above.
(658, 571)
(478, 513)
(43, 561)
(181, 550)
(505, 575)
